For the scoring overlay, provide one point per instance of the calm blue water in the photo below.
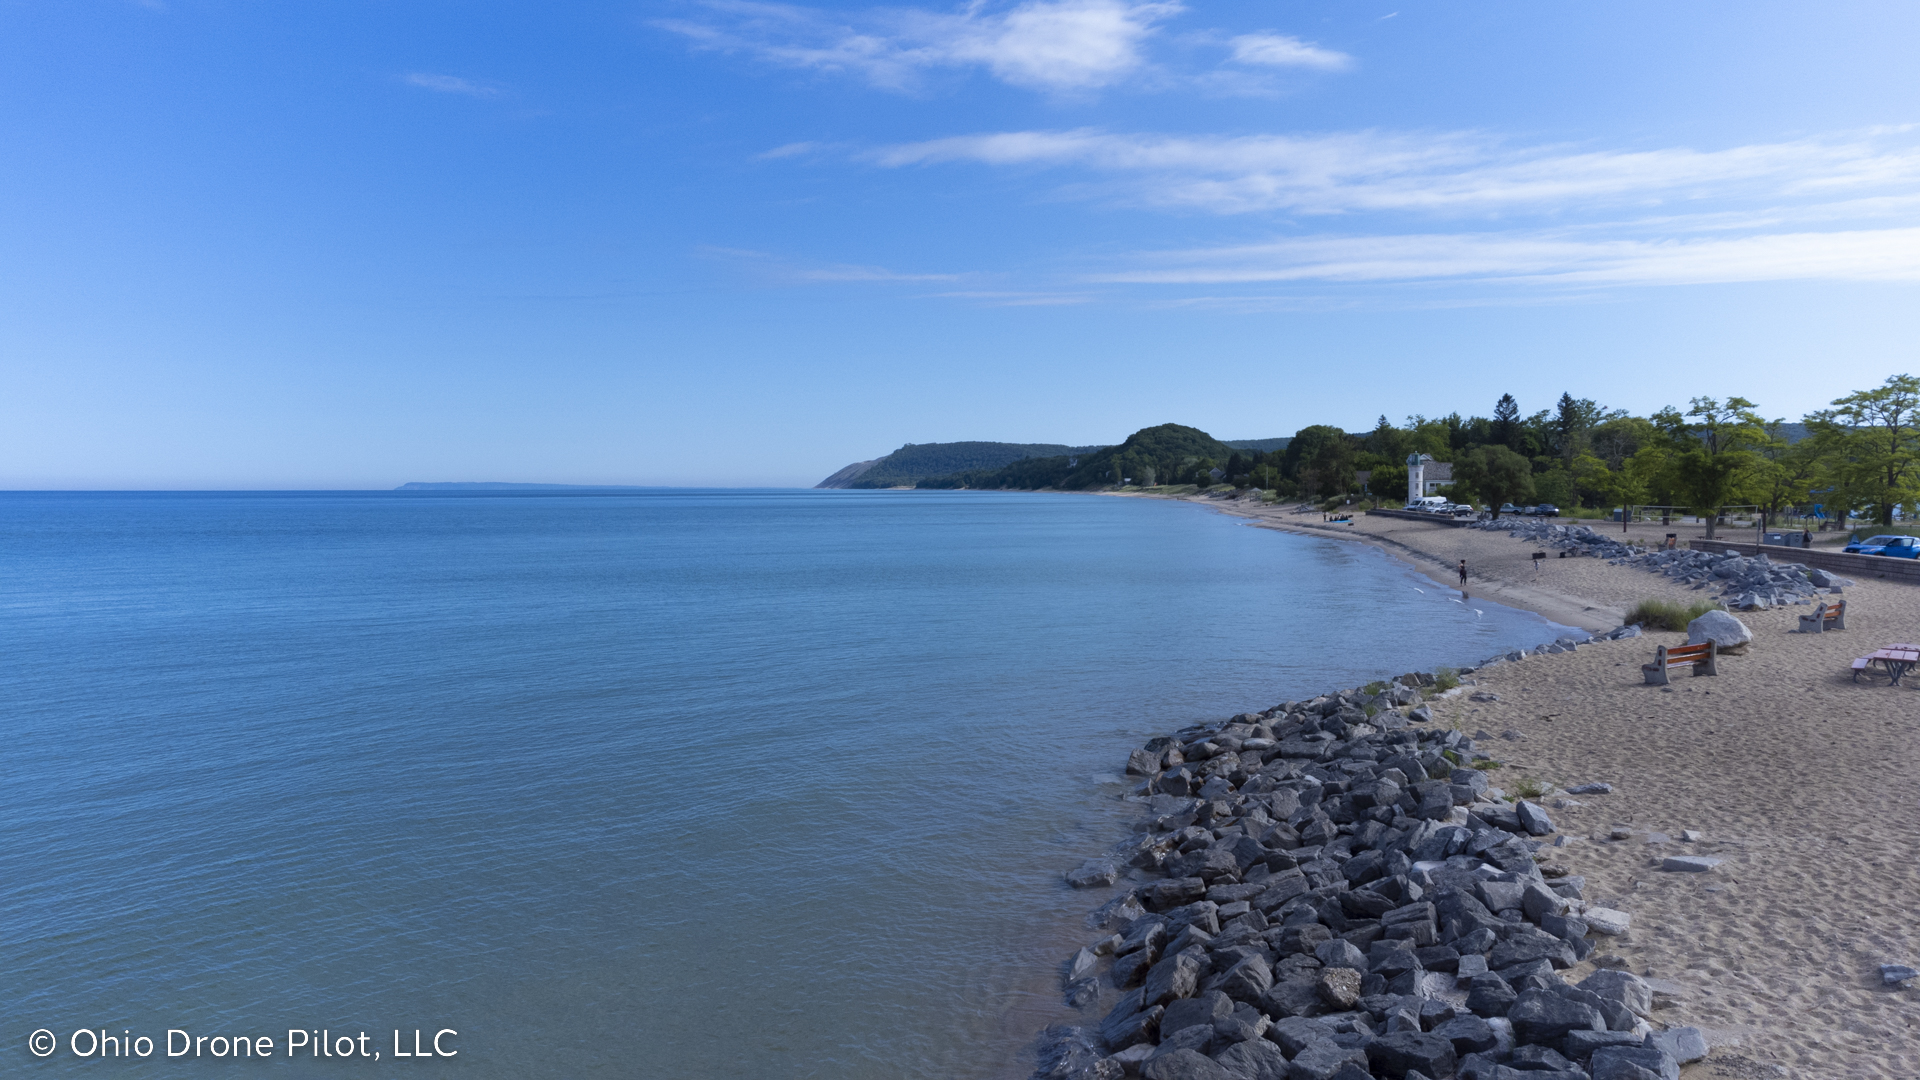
(680, 784)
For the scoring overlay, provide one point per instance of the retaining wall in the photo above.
(1853, 566)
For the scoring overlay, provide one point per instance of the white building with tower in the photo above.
(1426, 476)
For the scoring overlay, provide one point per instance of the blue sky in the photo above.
(356, 244)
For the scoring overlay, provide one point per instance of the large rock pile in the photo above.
(1573, 539)
(1749, 583)
(1324, 891)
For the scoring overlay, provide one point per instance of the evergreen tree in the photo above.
(1506, 421)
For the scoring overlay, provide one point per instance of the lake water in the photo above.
(671, 784)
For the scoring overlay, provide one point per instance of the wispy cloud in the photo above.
(792, 149)
(787, 271)
(448, 84)
(1280, 50)
(1873, 255)
(1465, 207)
(1017, 298)
(1447, 173)
(1051, 45)
(850, 272)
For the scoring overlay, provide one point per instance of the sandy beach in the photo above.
(1805, 782)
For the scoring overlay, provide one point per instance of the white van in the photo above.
(1428, 504)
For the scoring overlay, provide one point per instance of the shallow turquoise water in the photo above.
(676, 784)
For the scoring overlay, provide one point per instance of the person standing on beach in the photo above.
(1463, 573)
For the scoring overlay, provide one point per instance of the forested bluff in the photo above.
(1860, 453)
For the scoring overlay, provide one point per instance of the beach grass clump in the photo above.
(1485, 765)
(1375, 687)
(1529, 788)
(1446, 679)
(1657, 614)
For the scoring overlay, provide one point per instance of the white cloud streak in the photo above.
(1280, 50)
(1053, 45)
(1453, 173)
(1871, 255)
(448, 84)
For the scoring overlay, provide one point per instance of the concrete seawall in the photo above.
(1854, 566)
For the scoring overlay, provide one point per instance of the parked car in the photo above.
(1897, 547)
(1509, 508)
(1547, 510)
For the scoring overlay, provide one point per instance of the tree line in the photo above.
(1860, 455)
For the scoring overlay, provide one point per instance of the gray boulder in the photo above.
(1685, 1044)
(1197, 1038)
(1469, 1034)
(1081, 965)
(1247, 980)
(1320, 1060)
(1489, 995)
(1634, 1063)
(1526, 948)
(1126, 1026)
(1255, 1060)
(1689, 864)
(1539, 901)
(1398, 1053)
(1622, 988)
(1065, 1053)
(1339, 987)
(1607, 921)
(1174, 977)
(1340, 953)
(1184, 1065)
(1719, 627)
(1093, 873)
(1296, 1033)
(1580, 1045)
(1895, 974)
(1533, 819)
(1541, 1016)
(1203, 1009)
(1591, 789)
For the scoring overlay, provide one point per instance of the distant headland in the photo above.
(980, 464)
(467, 485)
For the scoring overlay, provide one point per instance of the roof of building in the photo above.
(1439, 472)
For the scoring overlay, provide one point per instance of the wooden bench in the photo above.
(1698, 657)
(1825, 617)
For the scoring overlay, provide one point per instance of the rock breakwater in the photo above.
(1330, 890)
(1747, 583)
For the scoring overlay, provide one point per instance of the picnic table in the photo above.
(1896, 660)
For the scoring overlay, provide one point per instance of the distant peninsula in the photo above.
(467, 485)
(998, 464)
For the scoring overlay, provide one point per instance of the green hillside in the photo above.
(915, 462)
(1167, 454)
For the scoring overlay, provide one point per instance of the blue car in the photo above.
(1896, 547)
